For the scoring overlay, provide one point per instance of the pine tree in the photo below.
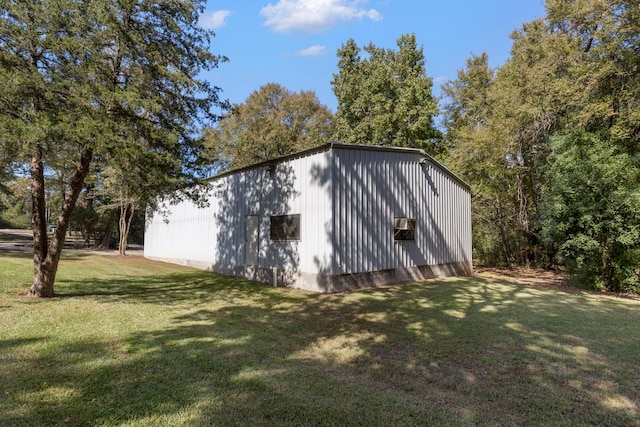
(100, 81)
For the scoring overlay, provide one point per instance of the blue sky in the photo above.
(294, 42)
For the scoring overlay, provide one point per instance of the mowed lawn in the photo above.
(131, 342)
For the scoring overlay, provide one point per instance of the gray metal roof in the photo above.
(348, 146)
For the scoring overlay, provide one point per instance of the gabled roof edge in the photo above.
(391, 149)
(347, 146)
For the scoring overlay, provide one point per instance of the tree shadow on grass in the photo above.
(450, 352)
(195, 286)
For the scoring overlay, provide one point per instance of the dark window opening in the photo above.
(285, 228)
(405, 229)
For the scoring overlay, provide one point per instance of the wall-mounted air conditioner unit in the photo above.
(405, 224)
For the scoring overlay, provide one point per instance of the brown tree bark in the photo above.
(46, 256)
(125, 224)
(106, 236)
(39, 224)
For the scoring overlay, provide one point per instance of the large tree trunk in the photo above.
(106, 236)
(47, 256)
(39, 224)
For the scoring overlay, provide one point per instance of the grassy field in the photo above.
(131, 342)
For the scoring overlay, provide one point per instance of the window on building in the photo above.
(285, 228)
(405, 229)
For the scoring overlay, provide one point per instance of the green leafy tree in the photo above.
(15, 203)
(272, 122)
(479, 158)
(607, 78)
(499, 124)
(125, 189)
(569, 91)
(100, 81)
(385, 97)
(529, 104)
(591, 214)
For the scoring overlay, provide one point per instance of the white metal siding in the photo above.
(215, 234)
(347, 199)
(299, 186)
(373, 187)
(185, 233)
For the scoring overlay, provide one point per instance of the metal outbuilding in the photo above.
(332, 218)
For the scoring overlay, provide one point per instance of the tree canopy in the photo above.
(96, 81)
(272, 122)
(384, 97)
(549, 142)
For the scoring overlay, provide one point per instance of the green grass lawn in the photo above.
(131, 342)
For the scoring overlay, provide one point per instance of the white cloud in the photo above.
(313, 16)
(316, 50)
(214, 20)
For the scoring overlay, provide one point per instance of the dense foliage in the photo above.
(384, 96)
(590, 215)
(550, 143)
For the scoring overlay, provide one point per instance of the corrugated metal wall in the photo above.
(216, 234)
(298, 186)
(185, 232)
(236, 196)
(373, 187)
(347, 199)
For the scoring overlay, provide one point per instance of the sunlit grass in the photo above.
(131, 342)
